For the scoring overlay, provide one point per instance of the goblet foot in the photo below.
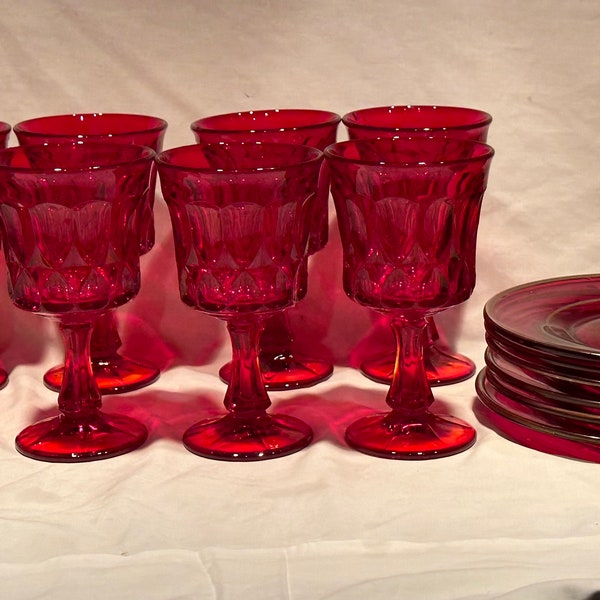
(66, 439)
(243, 438)
(442, 367)
(394, 435)
(3, 378)
(115, 374)
(282, 373)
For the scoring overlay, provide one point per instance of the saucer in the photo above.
(529, 417)
(567, 416)
(556, 316)
(524, 435)
(555, 387)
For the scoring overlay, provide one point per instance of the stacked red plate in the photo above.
(541, 382)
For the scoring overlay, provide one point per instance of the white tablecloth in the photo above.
(498, 521)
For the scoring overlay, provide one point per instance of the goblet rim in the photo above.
(332, 153)
(5, 127)
(203, 124)
(484, 120)
(24, 127)
(144, 154)
(162, 159)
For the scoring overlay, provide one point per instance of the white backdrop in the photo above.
(497, 521)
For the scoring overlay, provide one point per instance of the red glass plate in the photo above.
(528, 416)
(535, 316)
(569, 417)
(492, 414)
(577, 323)
(558, 388)
(569, 366)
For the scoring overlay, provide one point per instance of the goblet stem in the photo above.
(442, 365)
(280, 368)
(81, 432)
(79, 394)
(409, 393)
(113, 373)
(105, 340)
(277, 337)
(433, 335)
(410, 430)
(247, 432)
(246, 392)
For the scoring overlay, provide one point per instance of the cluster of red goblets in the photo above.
(248, 205)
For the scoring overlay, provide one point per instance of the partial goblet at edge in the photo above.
(4, 134)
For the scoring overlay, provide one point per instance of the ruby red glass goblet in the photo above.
(443, 364)
(69, 214)
(241, 214)
(4, 133)
(408, 212)
(114, 372)
(282, 368)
